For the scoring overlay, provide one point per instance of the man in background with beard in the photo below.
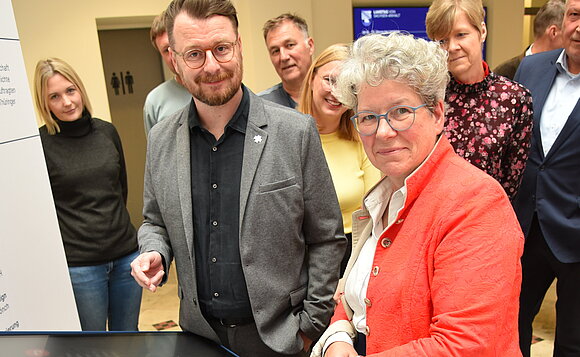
(238, 191)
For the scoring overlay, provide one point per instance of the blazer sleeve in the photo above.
(323, 234)
(475, 284)
(521, 69)
(340, 323)
(152, 235)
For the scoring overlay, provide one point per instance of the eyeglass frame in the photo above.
(204, 51)
(385, 116)
(327, 81)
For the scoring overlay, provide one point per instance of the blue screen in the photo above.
(385, 19)
(379, 20)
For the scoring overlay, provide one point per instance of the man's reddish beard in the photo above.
(215, 98)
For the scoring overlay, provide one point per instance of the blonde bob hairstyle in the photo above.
(45, 69)
(441, 16)
(420, 64)
(336, 52)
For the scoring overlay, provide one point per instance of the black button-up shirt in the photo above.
(216, 170)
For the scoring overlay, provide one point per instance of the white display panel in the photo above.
(16, 110)
(35, 288)
(7, 25)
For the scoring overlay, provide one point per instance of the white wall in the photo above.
(68, 29)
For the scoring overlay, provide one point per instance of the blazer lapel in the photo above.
(573, 120)
(362, 229)
(254, 143)
(184, 179)
(571, 124)
(540, 96)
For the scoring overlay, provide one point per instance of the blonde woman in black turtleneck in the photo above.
(88, 177)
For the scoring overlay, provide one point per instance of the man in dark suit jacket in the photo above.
(547, 36)
(238, 191)
(548, 201)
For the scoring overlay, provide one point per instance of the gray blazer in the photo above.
(291, 237)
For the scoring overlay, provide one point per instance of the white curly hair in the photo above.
(395, 56)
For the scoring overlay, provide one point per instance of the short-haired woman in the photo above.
(436, 270)
(489, 117)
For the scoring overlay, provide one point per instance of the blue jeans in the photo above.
(107, 292)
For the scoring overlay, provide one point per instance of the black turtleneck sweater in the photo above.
(87, 174)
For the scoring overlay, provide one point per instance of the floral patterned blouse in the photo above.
(489, 123)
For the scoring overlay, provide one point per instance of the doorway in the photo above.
(132, 69)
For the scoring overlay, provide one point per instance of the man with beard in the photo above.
(237, 190)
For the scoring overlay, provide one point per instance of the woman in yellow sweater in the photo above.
(352, 173)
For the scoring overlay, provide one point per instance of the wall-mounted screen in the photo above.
(385, 19)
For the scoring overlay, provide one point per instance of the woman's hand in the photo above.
(340, 349)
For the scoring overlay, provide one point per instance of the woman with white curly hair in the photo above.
(425, 277)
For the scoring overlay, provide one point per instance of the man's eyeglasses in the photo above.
(399, 118)
(195, 58)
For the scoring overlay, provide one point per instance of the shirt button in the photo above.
(214, 185)
(386, 242)
(216, 294)
(368, 302)
(214, 148)
(399, 221)
(213, 260)
(376, 270)
(214, 223)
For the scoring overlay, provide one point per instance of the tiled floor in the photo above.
(544, 326)
(159, 311)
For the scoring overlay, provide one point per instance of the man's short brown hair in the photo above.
(157, 28)
(275, 22)
(552, 13)
(199, 9)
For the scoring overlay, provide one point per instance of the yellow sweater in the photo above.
(352, 173)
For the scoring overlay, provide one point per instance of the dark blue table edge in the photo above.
(60, 333)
